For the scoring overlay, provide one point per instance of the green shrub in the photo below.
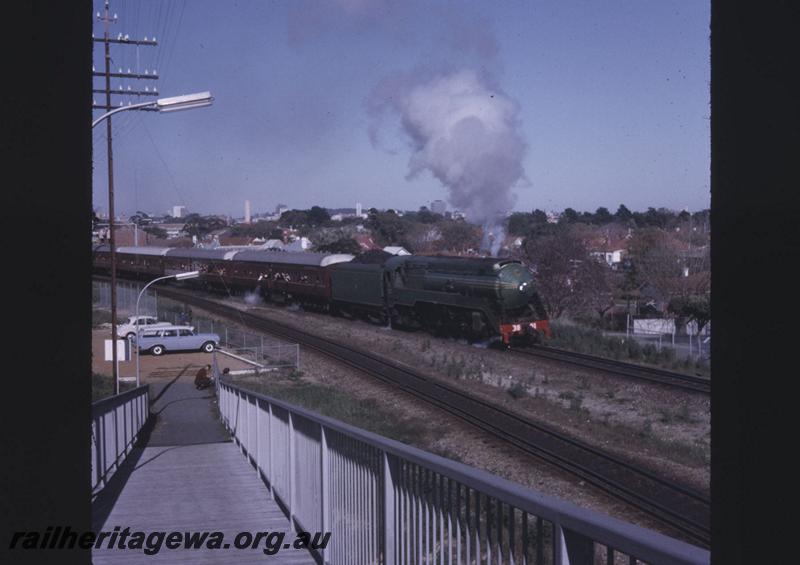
(100, 317)
(517, 391)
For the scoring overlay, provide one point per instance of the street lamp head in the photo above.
(188, 275)
(185, 102)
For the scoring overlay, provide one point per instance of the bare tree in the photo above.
(597, 285)
(558, 260)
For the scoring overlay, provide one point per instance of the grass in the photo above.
(517, 390)
(367, 414)
(591, 341)
(679, 415)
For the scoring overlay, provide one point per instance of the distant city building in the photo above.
(246, 211)
(178, 211)
(358, 209)
(458, 214)
(299, 244)
(552, 217)
(438, 207)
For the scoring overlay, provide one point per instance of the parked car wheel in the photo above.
(208, 347)
(157, 350)
(130, 335)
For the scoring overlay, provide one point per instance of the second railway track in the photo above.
(677, 506)
(670, 379)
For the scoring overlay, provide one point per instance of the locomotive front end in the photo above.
(525, 320)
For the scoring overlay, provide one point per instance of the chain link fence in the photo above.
(265, 351)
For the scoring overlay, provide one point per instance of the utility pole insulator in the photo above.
(107, 41)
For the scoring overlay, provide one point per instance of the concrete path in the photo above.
(189, 477)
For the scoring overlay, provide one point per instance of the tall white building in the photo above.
(178, 211)
(358, 209)
(438, 207)
(246, 211)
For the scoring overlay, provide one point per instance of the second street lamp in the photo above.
(177, 277)
(174, 103)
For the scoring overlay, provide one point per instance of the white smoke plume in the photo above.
(252, 298)
(466, 133)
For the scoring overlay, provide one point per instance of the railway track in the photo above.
(675, 505)
(638, 372)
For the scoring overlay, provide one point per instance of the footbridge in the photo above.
(252, 473)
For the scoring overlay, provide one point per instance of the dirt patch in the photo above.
(169, 364)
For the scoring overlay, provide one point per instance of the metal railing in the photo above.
(386, 502)
(116, 423)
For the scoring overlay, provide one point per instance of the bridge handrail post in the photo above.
(390, 472)
(325, 497)
(114, 431)
(291, 470)
(271, 454)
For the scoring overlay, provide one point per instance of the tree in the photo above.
(317, 216)
(459, 236)
(557, 259)
(523, 223)
(389, 228)
(602, 216)
(200, 226)
(596, 287)
(519, 223)
(623, 214)
(294, 218)
(423, 237)
(655, 260)
(569, 216)
(342, 245)
(425, 216)
(539, 217)
(696, 308)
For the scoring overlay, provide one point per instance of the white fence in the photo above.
(116, 424)
(386, 502)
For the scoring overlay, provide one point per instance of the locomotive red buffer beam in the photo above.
(525, 331)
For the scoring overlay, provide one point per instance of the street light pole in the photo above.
(184, 102)
(179, 277)
(115, 367)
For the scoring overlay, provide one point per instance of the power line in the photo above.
(107, 41)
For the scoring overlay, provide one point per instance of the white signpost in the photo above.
(123, 350)
(123, 354)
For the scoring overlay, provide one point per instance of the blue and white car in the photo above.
(176, 338)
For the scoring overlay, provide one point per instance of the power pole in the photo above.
(107, 19)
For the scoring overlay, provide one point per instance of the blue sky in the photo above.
(612, 101)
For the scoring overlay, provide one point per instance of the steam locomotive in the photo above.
(477, 298)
